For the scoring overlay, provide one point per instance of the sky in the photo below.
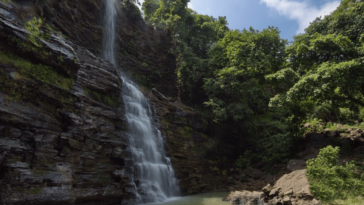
(290, 16)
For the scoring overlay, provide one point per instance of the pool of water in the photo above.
(199, 199)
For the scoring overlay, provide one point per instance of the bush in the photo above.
(330, 182)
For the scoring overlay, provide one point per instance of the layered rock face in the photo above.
(61, 118)
(187, 145)
(62, 121)
(142, 51)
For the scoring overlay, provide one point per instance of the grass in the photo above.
(350, 201)
(40, 72)
(108, 100)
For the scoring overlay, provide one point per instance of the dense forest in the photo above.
(260, 84)
(266, 92)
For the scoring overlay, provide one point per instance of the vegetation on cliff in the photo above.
(259, 88)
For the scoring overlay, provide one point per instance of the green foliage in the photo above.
(186, 132)
(244, 160)
(144, 64)
(106, 99)
(37, 71)
(239, 62)
(133, 12)
(260, 90)
(338, 82)
(33, 26)
(323, 77)
(328, 181)
(361, 114)
(193, 35)
(349, 201)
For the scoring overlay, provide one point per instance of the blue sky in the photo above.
(290, 16)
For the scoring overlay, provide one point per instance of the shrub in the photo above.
(330, 182)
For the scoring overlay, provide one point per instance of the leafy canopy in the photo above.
(239, 62)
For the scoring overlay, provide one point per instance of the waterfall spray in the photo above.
(152, 176)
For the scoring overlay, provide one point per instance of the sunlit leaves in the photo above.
(328, 181)
(240, 61)
(328, 59)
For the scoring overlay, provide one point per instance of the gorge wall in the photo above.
(62, 125)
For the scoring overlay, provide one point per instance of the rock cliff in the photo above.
(61, 114)
(142, 50)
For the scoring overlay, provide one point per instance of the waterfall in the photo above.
(153, 172)
(150, 170)
(109, 32)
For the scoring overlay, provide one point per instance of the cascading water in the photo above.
(153, 178)
(109, 32)
(154, 174)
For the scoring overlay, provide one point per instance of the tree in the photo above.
(328, 59)
(239, 61)
(193, 35)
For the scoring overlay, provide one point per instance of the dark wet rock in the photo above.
(296, 164)
(59, 147)
(253, 173)
(317, 140)
(182, 127)
(269, 179)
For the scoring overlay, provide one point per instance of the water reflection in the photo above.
(199, 199)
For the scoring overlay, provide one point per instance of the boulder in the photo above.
(294, 189)
(274, 192)
(295, 181)
(286, 200)
(246, 198)
(267, 189)
(290, 189)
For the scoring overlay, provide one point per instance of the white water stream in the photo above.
(109, 31)
(154, 179)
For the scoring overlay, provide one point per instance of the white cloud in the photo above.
(302, 12)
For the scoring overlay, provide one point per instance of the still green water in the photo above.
(199, 199)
